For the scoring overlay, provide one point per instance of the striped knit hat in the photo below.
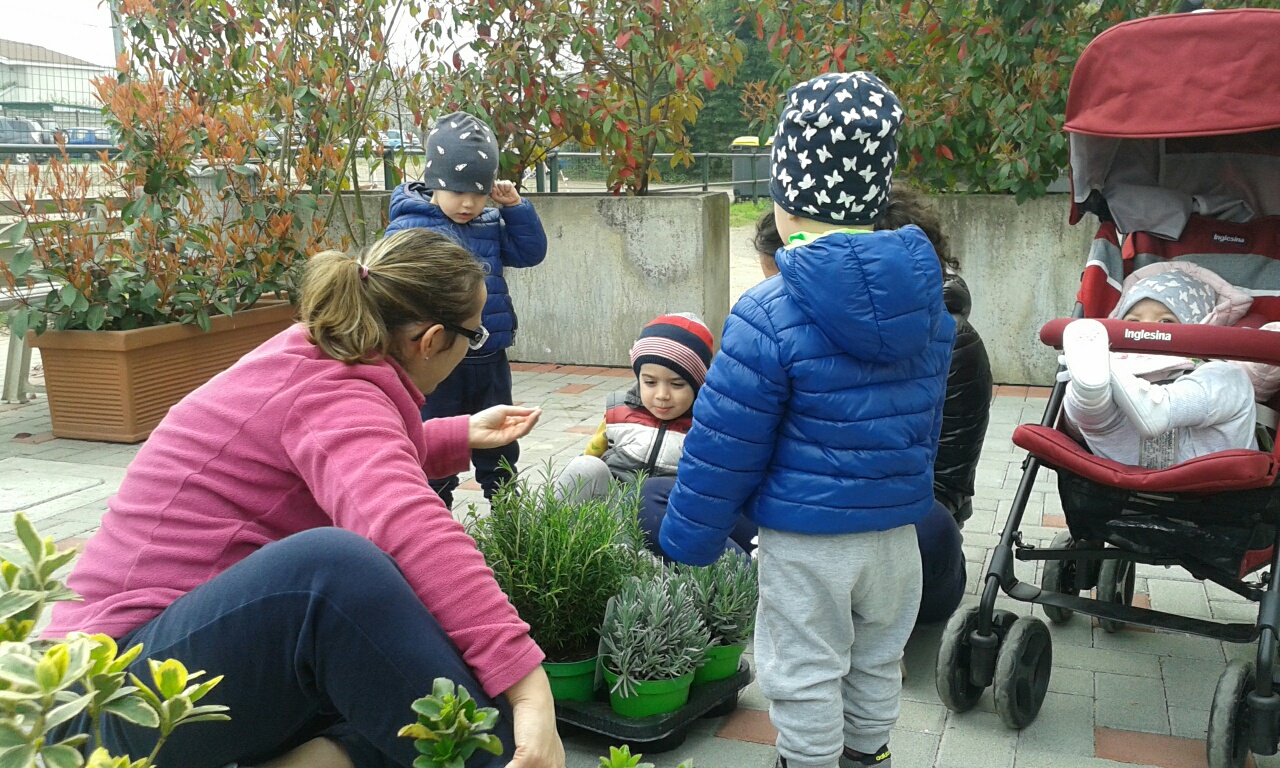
(680, 342)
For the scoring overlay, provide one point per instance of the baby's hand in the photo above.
(504, 193)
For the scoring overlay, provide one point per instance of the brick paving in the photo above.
(1131, 698)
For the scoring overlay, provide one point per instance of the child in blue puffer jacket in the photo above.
(819, 421)
(461, 168)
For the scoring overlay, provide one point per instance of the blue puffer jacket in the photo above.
(821, 412)
(499, 237)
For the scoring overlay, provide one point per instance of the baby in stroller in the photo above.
(1154, 411)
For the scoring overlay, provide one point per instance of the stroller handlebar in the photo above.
(1249, 345)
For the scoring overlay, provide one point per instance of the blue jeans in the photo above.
(653, 507)
(476, 384)
(317, 635)
(941, 565)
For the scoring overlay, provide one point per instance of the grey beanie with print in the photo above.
(1190, 300)
(462, 155)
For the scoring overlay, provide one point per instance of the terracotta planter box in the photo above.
(116, 386)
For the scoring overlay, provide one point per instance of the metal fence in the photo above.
(50, 92)
(744, 174)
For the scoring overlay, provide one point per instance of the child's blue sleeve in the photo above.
(524, 242)
(731, 444)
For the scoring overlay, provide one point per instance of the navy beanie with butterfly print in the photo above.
(462, 155)
(835, 148)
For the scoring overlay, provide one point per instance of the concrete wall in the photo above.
(1022, 264)
(615, 263)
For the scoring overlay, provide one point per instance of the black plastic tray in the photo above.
(656, 733)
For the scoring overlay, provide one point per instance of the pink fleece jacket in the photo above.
(286, 440)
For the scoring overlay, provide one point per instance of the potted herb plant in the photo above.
(652, 640)
(559, 561)
(725, 593)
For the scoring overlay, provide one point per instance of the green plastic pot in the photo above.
(653, 697)
(572, 680)
(721, 662)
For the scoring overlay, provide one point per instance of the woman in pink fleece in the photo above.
(278, 528)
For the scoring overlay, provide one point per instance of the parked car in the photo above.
(77, 137)
(406, 141)
(273, 139)
(19, 130)
(51, 133)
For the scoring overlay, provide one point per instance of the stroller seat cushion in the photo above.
(1223, 471)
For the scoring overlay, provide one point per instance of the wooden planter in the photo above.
(116, 386)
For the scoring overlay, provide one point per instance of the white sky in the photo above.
(79, 28)
(82, 28)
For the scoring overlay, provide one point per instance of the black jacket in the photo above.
(968, 406)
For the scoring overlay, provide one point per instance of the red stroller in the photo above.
(1174, 126)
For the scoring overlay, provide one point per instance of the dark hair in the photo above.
(353, 306)
(767, 241)
(907, 205)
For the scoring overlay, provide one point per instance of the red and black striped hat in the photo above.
(680, 342)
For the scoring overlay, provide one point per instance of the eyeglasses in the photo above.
(475, 339)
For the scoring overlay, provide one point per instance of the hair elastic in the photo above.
(364, 272)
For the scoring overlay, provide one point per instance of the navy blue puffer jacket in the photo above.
(821, 412)
(499, 237)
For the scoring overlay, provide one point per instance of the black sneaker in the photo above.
(880, 758)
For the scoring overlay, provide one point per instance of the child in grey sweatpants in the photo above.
(819, 422)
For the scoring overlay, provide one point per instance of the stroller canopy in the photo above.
(1179, 114)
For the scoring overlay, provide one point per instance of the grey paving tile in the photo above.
(1234, 612)
(1188, 723)
(1163, 573)
(1159, 643)
(922, 717)
(1078, 630)
(1130, 703)
(1064, 726)
(1189, 683)
(1114, 662)
(1074, 682)
(912, 748)
(976, 738)
(1218, 592)
(1180, 597)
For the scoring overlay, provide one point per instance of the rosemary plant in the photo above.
(560, 561)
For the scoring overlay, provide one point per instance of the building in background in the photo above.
(50, 87)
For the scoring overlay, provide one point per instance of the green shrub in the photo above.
(45, 684)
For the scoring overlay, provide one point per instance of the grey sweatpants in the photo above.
(586, 477)
(835, 613)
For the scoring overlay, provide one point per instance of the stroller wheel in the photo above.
(1023, 667)
(1227, 745)
(955, 685)
(1059, 576)
(1115, 585)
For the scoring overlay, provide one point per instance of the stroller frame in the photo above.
(1127, 116)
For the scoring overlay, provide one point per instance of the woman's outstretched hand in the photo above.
(501, 425)
(534, 712)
